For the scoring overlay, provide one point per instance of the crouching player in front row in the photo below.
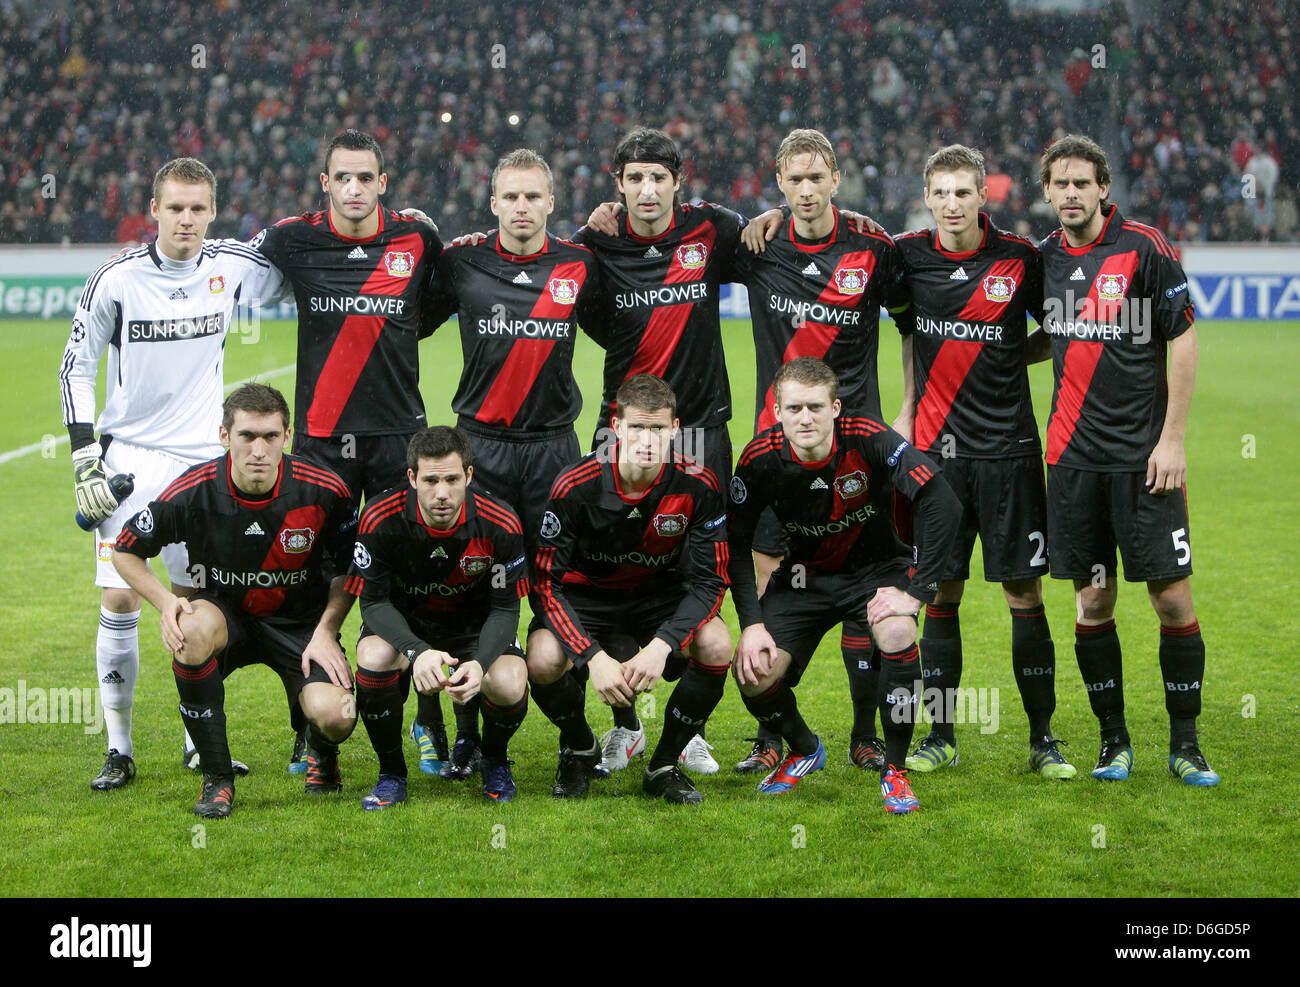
(608, 564)
(440, 569)
(268, 537)
(829, 480)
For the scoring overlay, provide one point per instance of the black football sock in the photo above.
(1033, 660)
(321, 744)
(776, 708)
(379, 704)
(297, 718)
(625, 717)
(1096, 646)
(564, 703)
(203, 697)
(428, 709)
(1182, 666)
(898, 679)
(467, 719)
(694, 698)
(500, 724)
(768, 735)
(863, 665)
(941, 666)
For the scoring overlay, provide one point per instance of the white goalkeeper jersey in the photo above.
(164, 324)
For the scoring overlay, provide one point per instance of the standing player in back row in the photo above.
(360, 274)
(520, 295)
(1118, 310)
(966, 404)
(161, 312)
(816, 290)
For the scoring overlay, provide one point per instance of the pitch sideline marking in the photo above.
(60, 440)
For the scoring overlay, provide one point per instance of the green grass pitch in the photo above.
(988, 827)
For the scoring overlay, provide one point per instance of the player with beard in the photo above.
(1124, 356)
(966, 403)
(831, 481)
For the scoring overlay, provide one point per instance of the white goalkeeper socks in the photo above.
(117, 662)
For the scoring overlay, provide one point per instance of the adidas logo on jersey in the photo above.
(1078, 275)
(811, 270)
(959, 275)
(254, 529)
(523, 278)
(635, 513)
(818, 484)
(438, 553)
(652, 252)
(357, 254)
(177, 295)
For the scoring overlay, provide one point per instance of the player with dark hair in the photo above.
(825, 477)
(360, 273)
(439, 569)
(816, 289)
(1124, 358)
(966, 403)
(521, 295)
(268, 537)
(608, 564)
(159, 312)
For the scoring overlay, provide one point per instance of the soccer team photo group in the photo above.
(540, 519)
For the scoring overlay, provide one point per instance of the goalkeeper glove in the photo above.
(95, 498)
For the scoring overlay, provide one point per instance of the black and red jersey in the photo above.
(595, 537)
(822, 299)
(519, 316)
(272, 556)
(1112, 307)
(968, 329)
(838, 512)
(661, 296)
(358, 320)
(453, 578)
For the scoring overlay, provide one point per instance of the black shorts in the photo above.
(612, 619)
(519, 467)
(1004, 502)
(368, 464)
(798, 616)
(271, 641)
(458, 642)
(1090, 514)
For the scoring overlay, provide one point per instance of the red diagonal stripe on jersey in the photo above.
(264, 602)
(948, 372)
(979, 307)
(1082, 357)
(355, 341)
(519, 372)
(663, 332)
(854, 260)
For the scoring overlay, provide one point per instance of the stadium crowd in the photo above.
(1194, 102)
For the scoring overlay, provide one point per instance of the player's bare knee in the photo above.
(506, 680)
(1172, 601)
(116, 600)
(1023, 594)
(1096, 604)
(894, 633)
(546, 659)
(377, 655)
(331, 708)
(712, 645)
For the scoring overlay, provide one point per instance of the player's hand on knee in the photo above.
(95, 498)
(468, 239)
(761, 230)
(169, 623)
(325, 650)
(755, 653)
(604, 218)
(465, 682)
(644, 669)
(889, 601)
(427, 670)
(608, 681)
